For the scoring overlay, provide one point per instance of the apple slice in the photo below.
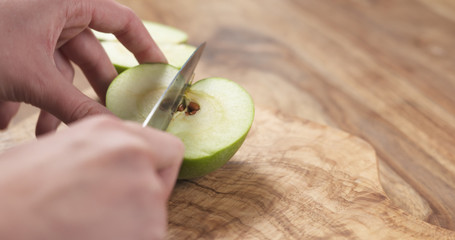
(176, 54)
(213, 120)
(123, 59)
(160, 33)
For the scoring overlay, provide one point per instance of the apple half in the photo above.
(161, 33)
(170, 40)
(212, 121)
(176, 54)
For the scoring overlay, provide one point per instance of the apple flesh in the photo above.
(160, 33)
(214, 118)
(176, 54)
(170, 40)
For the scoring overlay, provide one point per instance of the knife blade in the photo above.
(161, 114)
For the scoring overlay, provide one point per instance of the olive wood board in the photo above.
(292, 179)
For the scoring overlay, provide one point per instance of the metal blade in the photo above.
(164, 109)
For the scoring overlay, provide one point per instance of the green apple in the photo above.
(212, 121)
(170, 40)
(160, 33)
(176, 54)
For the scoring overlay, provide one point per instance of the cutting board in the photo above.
(292, 179)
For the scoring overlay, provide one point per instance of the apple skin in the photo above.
(120, 68)
(137, 81)
(194, 168)
(211, 128)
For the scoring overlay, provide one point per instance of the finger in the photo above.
(7, 112)
(86, 51)
(163, 151)
(169, 177)
(63, 65)
(63, 100)
(46, 121)
(169, 150)
(115, 18)
(166, 153)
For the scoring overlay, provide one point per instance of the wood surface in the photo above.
(381, 70)
(292, 179)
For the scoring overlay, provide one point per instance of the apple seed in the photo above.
(181, 107)
(193, 108)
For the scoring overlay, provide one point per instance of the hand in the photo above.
(39, 39)
(100, 179)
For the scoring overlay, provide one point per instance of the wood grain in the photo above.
(382, 70)
(292, 179)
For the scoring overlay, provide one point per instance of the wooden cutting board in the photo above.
(292, 179)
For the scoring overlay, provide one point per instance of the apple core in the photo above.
(213, 121)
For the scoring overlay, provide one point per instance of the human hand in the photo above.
(112, 185)
(41, 37)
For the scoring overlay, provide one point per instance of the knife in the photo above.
(161, 114)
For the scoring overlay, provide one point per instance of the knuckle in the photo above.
(83, 109)
(144, 180)
(129, 19)
(129, 14)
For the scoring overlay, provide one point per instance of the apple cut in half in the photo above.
(176, 54)
(212, 121)
(170, 40)
(161, 33)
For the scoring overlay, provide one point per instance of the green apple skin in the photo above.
(211, 136)
(227, 131)
(120, 68)
(198, 167)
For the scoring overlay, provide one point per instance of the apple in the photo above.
(170, 40)
(176, 54)
(161, 33)
(213, 120)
